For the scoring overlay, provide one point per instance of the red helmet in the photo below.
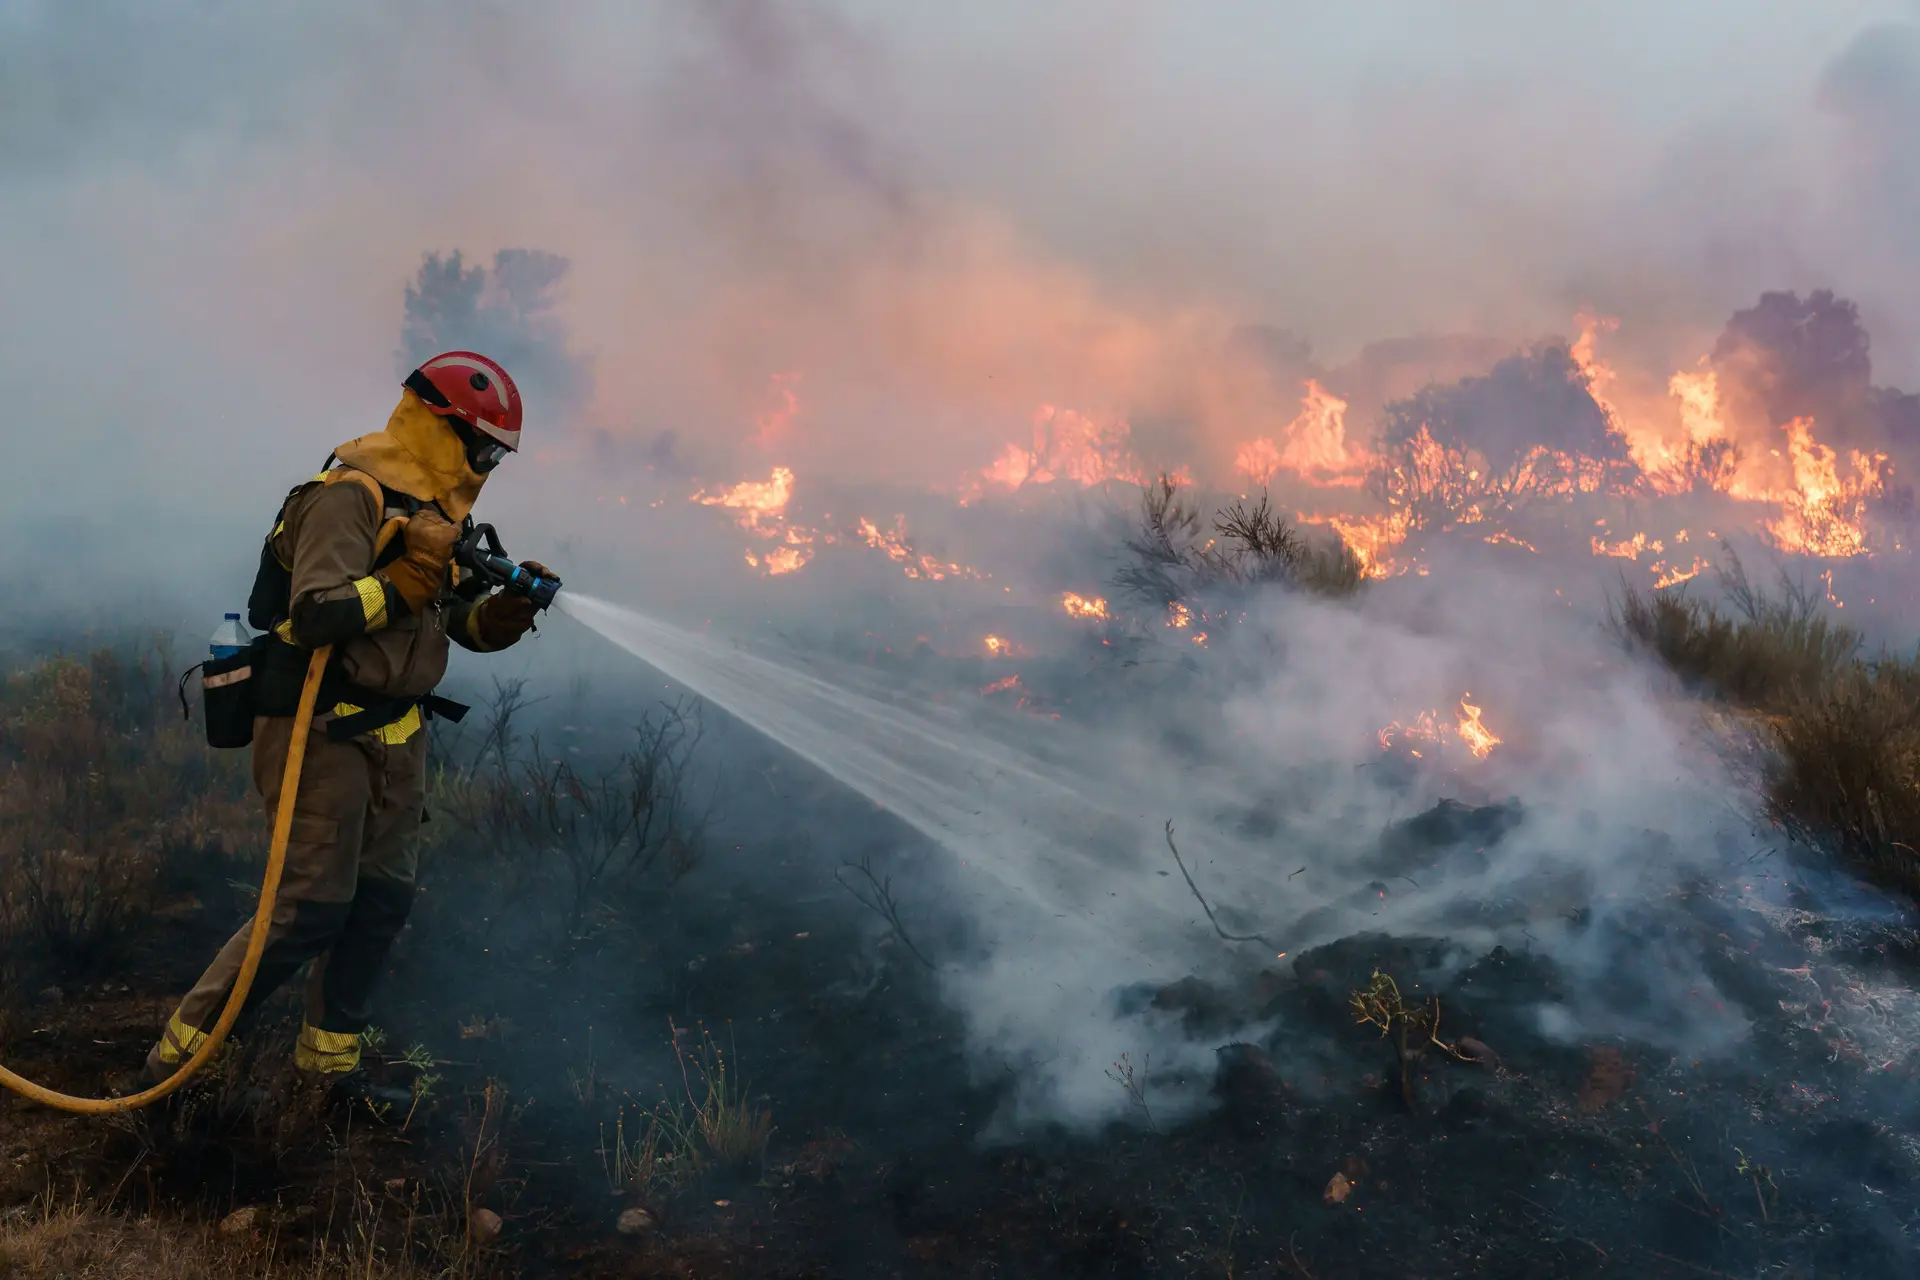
(472, 388)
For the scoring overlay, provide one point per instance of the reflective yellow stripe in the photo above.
(392, 734)
(328, 1052)
(373, 601)
(180, 1041)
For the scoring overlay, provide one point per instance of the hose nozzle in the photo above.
(481, 553)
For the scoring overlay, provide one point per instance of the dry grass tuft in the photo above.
(1849, 771)
(1765, 653)
(1846, 729)
(732, 1126)
(49, 1243)
(46, 1244)
(103, 789)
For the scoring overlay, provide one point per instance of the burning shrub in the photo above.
(1465, 452)
(1173, 560)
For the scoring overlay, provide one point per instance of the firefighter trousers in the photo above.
(348, 884)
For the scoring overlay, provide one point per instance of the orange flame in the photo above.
(893, 543)
(1699, 395)
(1668, 462)
(1626, 549)
(761, 508)
(1078, 606)
(1067, 446)
(1425, 728)
(1372, 539)
(1430, 729)
(1824, 515)
(1001, 685)
(1501, 538)
(1808, 498)
(781, 560)
(761, 504)
(1313, 446)
(1479, 739)
(1664, 577)
(1257, 460)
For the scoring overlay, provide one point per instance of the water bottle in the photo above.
(230, 639)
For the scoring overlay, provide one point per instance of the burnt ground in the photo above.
(1794, 1156)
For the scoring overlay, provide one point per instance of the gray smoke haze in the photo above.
(927, 221)
(208, 212)
(1272, 774)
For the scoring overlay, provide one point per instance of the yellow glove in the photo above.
(421, 573)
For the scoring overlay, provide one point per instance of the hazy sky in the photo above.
(940, 215)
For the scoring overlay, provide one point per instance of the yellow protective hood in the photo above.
(418, 455)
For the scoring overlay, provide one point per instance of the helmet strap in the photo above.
(418, 384)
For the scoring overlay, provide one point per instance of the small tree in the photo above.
(509, 313)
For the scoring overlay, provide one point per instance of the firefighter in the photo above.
(351, 859)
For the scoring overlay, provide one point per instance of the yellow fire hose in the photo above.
(262, 914)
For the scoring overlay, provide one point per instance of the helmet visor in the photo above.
(484, 453)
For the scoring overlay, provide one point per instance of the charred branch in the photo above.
(1200, 898)
(876, 894)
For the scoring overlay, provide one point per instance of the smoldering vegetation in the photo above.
(672, 999)
(1289, 919)
(1263, 874)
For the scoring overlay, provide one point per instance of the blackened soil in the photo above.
(1521, 1156)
